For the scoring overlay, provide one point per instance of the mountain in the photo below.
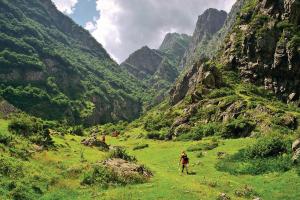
(158, 69)
(208, 24)
(52, 68)
(175, 45)
(249, 87)
(264, 48)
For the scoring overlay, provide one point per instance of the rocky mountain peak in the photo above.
(208, 24)
(143, 62)
(174, 40)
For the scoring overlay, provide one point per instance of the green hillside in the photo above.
(52, 68)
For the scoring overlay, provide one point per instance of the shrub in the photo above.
(190, 136)
(209, 129)
(155, 136)
(5, 138)
(104, 177)
(269, 146)
(269, 154)
(24, 192)
(119, 152)
(141, 146)
(10, 167)
(77, 130)
(238, 128)
(35, 129)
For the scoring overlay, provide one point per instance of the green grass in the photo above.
(62, 169)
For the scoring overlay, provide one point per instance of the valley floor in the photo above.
(168, 183)
(64, 166)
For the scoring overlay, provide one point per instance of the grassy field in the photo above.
(168, 183)
(66, 164)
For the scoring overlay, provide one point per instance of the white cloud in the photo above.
(126, 25)
(65, 6)
(90, 26)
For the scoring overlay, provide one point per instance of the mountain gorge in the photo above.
(76, 125)
(246, 83)
(158, 68)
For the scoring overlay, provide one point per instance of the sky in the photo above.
(123, 26)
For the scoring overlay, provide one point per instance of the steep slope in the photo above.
(175, 45)
(211, 47)
(264, 48)
(157, 69)
(52, 68)
(208, 24)
(227, 96)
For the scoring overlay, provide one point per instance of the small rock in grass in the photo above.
(223, 196)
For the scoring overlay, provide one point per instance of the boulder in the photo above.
(126, 168)
(296, 151)
(209, 80)
(223, 196)
(94, 142)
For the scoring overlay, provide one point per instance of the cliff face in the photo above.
(52, 68)
(264, 47)
(208, 24)
(257, 65)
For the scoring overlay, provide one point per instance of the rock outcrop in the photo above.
(202, 74)
(264, 47)
(127, 169)
(208, 24)
(296, 151)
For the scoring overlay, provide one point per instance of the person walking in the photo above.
(184, 161)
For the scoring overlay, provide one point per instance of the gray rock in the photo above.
(296, 151)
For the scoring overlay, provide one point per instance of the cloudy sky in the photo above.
(123, 26)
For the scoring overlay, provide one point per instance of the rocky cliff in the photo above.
(52, 68)
(249, 87)
(208, 24)
(264, 46)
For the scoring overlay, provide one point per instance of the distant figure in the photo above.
(184, 161)
(115, 134)
(103, 138)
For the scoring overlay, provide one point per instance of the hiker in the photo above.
(103, 138)
(184, 161)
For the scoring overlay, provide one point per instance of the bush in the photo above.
(35, 129)
(269, 154)
(77, 130)
(190, 136)
(104, 177)
(209, 129)
(119, 152)
(10, 167)
(155, 136)
(269, 146)
(141, 146)
(5, 138)
(238, 128)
